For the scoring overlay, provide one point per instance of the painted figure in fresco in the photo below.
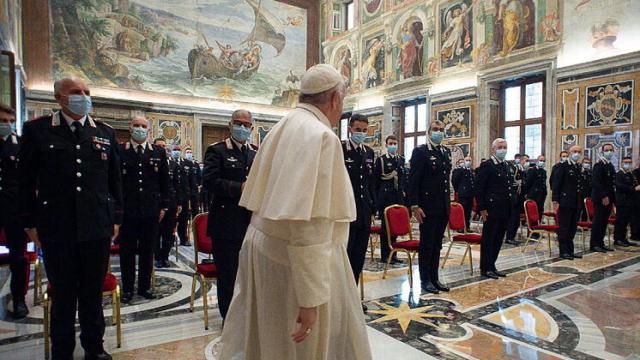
(410, 51)
(515, 23)
(344, 65)
(370, 66)
(457, 36)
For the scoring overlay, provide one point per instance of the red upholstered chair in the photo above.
(591, 212)
(32, 258)
(374, 237)
(110, 288)
(456, 223)
(205, 271)
(534, 226)
(398, 223)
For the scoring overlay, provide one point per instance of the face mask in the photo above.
(467, 164)
(240, 133)
(14, 127)
(5, 129)
(541, 164)
(80, 104)
(139, 134)
(564, 159)
(525, 165)
(437, 136)
(175, 154)
(392, 149)
(586, 166)
(575, 156)
(357, 137)
(188, 156)
(626, 166)
(501, 154)
(607, 155)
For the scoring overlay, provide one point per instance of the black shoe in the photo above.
(364, 308)
(577, 256)
(126, 297)
(608, 248)
(429, 287)
(159, 264)
(490, 274)
(440, 287)
(598, 249)
(566, 256)
(185, 243)
(500, 274)
(20, 310)
(620, 243)
(148, 295)
(513, 242)
(99, 356)
(166, 264)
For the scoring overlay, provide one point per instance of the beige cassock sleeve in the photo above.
(309, 251)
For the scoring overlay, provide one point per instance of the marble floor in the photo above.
(546, 308)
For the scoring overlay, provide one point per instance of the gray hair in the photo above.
(497, 141)
(139, 117)
(233, 114)
(58, 84)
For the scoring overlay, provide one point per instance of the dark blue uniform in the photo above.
(359, 163)
(535, 186)
(226, 167)
(70, 190)
(187, 169)
(518, 188)
(13, 230)
(567, 192)
(627, 200)
(145, 183)
(177, 188)
(429, 189)
(603, 180)
(635, 223)
(388, 183)
(463, 181)
(494, 193)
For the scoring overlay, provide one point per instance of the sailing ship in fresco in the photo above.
(238, 64)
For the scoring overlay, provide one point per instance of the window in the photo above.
(522, 123)
(414, 126)
(336, 23)
(349, 15)
(344, 129)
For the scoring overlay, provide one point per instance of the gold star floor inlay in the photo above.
(404, 314)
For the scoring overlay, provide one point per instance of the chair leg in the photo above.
(118, 318)
(153, 276)
(386, 265)
(470, 258)
(114, 299)
(526, 242)
(205, 301)
(193, 291)
(47, 311)
(361, 286)
(549, 241)
(410, 271)
(36, 282)
(447, 255)
(464, 256)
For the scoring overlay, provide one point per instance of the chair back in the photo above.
(203, 242)
(456, 217)
(531, 213)
(397, 221)
(588, 205)
(3, 238)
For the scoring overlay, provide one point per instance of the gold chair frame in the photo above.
(451, 241)
(410, 254)
(200, 277)
(541, 233)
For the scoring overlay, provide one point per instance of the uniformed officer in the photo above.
(564, 156)
(388, 184)
(495, 202)
(603, 197)
(145, 188)
(195, 177)
(519, 168)
(71, 195)
(536, 183)
(226, 167)
(627, 198)
(185, 171)
(177, 197)
(463, 180)
(430, 200)
(358, 159)
(18, 264)
(567, 201)
(635, 223)
(586, 187)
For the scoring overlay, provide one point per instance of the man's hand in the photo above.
(417, 213)
(179, 210)
(638, 188)
(484, 215)
(116, 231)
(162, 212)
(32, 234)
(605, 201)
(306, 318)
(556, 207)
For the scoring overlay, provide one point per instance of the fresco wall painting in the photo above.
(460, 121)
(373, 61)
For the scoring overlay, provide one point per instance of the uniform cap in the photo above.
(319, 78)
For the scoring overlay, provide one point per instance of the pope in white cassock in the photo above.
(295, 296)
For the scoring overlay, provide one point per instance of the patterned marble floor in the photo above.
(547, 308)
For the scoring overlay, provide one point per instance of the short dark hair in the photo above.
(187, 148)
(358, 117)
(564, 152)
(608, 144)
(390, 137)
(523, 155)
(517, 155)
(158, 139)
(233, 114)
(627, 158)
(7, 109)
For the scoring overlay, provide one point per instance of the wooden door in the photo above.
(212, 134)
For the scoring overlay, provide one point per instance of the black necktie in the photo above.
(139, 152)
(77, 126)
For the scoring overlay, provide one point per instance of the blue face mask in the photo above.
(240, 133)
(525, 165)
(575, 156)
(139, 134)
(467, 164)
(586, 166)
(392, 149)
(175, 154)
(358, 137)
(501, 154)
(437, 136)
(14, 127)
(80, 104)
(541, 164)
(607, 154)
(188, 156)
(626, 166)
(5, 129)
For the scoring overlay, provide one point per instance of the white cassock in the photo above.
(294, 252)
